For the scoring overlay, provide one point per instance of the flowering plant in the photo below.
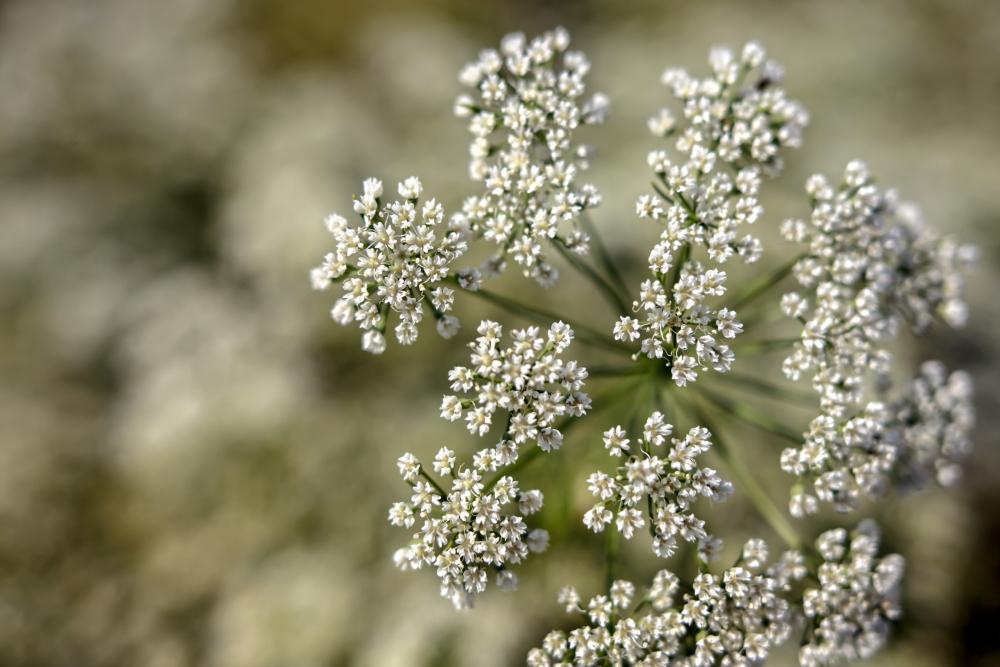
(865, 265)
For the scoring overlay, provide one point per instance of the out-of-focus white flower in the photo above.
(870, 263)
(923, 435)
(857, 598)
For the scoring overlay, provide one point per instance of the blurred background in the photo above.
(196, 463)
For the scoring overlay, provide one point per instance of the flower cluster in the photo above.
(528, 379)
(670, 485)
(734, 619)
(470, 531)
(850, 612)
(738, 121)
(391, 262)
(843, 459)
(870, 263)
(932, 424)
(868, 266)
(680, 326)
(922, 435)
(528, 102)
(739, 115)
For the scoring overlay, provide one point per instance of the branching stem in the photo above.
(751, 416)
(616, 300)
(437, 487)
(604, 255)
(584, 333)
(749, 484)
(767, 389)
(600, 403)
(765, 283)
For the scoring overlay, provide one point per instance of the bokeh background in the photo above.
(195, 462)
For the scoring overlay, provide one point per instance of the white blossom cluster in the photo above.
(923, 435)
(669, 485)
(470, 532)
(841, 460)
(738, 121)
(391, 263)
(733, 619)
(528, 101)
(528, 379)
(932, 426)
(870, 263)
(849, 614)
(680, 326)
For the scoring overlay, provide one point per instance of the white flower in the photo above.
(530, 502)
(444, 461)
(528, 379)
(741, 117)
(648, 207)
(373, 342)
(754, 553)
(656, 429)
(569, 598)
(871, 264)
(410, 188)
(409, 466)
(680, 327)
(615, 440)
(672, 483)
(390, 264)
(844, 459)
(932, 424)
(538, 540)
(627, 328)
(528, 101)
(662, 123)
(921, 436)
(628, 520)
(597, 518)
(735, 619)
(467, 532)
(683, 370)
(857, 598)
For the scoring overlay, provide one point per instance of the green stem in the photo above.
(764, 284)
(610, 556)
(660, 191)
(682, 258)
(766, 507)
(605, 400)
(753, 417)
(764, 388)
(584, 333)
(760, 346)
(423, 473)
(615, 300)
(603, 254)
